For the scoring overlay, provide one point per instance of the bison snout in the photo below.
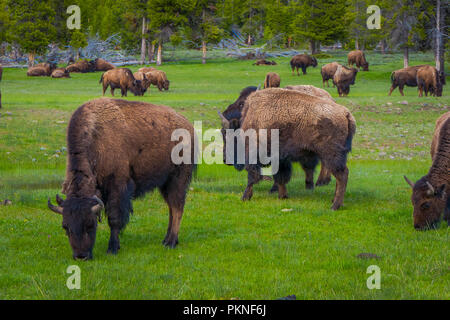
(82, 256)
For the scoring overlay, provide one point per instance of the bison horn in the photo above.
(259, 87)
(59, 200)
(409, 182)
(56, 209)
(430, 187)
(98, 207)
(225, 121)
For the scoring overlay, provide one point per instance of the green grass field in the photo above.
(228, 249)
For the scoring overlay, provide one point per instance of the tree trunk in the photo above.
(77, 55)
(203, 51)
(439, 42)
(249, 40)
(313, 45)
(405, 57)
(143, 42)
(383, 47)
(30, 59)
(356, 44)
(159, 55)
(151, 52)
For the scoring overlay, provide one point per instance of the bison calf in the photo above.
(60, 73)
(123, 79)
(119, 150)
(431, 194)
(272, 80)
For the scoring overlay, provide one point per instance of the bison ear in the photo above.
(59, 200)
(225, 122)
(440, 192)
(409, 182)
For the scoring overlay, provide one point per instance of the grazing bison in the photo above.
(1, 74)
(102, 65)
(272, 80)
(121, 78)
(358, 58)
(429, 80)
(119, 150)
(60, 73)
(82, 66)
(158, 78)
(402, 77)
(302, 61)
(328, 72)
(310, 129)
(431, 194)
(265, 62)
(343, 78)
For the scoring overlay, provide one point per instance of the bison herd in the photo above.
(119, 150)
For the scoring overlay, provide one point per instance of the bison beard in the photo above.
(119, 150)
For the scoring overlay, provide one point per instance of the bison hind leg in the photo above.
(309, 163)
(174, 193)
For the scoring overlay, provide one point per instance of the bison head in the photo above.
(166, 84)
(429, 203)
(314, 62)
(80, 222)
(365, 66)
(137, 88)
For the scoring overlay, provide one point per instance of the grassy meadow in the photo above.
(262, 249)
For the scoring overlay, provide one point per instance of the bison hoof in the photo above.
(324, 182)
(310, 186)
(171, 242)
(112, 250)
(274, 189)
(335, 206)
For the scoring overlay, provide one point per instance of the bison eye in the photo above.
(425, 206)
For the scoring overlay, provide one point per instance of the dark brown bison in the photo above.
(328, 72)
(272, 80)
(343, 78)
(429, 80)
(1, 74)
(264, 62)
(102, 65)
(119, 150)
(302, 61)
(404, 77)
(123, 79)
(431, 194)
(310, 129)
(60, 73)
(358, 58)
(82, 66)
(158, 78)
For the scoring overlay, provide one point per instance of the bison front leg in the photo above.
(253, 177)
(282, 177)
(392, 89)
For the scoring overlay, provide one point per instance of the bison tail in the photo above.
(101, 79)
(351, 131)
(392, 77)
